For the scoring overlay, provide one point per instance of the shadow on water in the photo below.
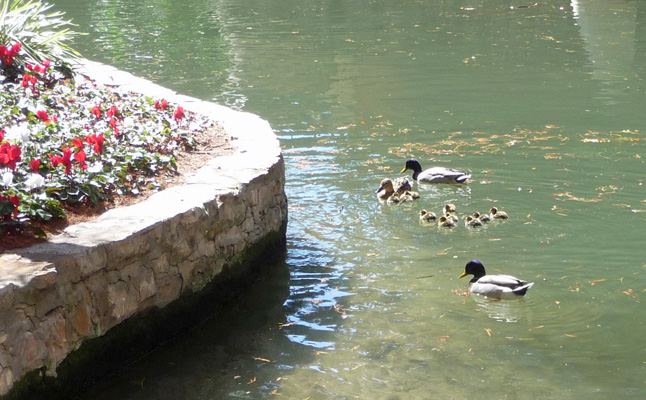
(227, 350)
(243, 348)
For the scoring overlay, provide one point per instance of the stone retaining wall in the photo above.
(94, 276)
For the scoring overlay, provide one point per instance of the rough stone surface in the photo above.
(97, 274)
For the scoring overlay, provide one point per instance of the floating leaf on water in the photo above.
(261, 359)
(488, 331)
(594, 281)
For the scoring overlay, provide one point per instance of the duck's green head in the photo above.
(412, 164)
(475, 268)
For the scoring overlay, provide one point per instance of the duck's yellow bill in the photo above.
(463, 275)
(404, 170)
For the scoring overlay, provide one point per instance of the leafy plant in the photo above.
(42, 35)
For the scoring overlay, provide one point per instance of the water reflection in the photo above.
(610, 51)
(542, 104)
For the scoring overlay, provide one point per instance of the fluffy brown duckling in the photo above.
(494, 213)
(427, 216)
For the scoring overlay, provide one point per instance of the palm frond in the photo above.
(43, 34)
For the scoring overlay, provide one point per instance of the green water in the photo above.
(544, 105)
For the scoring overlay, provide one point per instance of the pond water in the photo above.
(543, 103)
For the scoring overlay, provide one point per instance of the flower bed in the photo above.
(66, 144)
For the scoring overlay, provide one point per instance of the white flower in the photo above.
(34, 181)
(18, 133)
(95, 167)
(7, 178)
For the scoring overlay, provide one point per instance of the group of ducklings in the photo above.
(450, 219)
(398, 190)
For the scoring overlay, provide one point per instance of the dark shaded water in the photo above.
(543, 104)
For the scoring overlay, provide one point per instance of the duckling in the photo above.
(494, 286)
(484, 218)
(444, 222)
(494, 213)
(452, 217)
(435, 174)
(427, 216)
(472, 222)
(406, 197)
(450, 208)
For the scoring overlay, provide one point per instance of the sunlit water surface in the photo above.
(544, 104)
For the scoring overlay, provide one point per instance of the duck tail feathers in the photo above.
(463, 178)
(523, 289)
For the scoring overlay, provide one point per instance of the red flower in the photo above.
(46, 63)
(35, 165)
(80, 157)
(13, 200)
(66, 160)
(179, 113)
(55, 160)
(113, 122)
(9, 155)
(1, 135)
(97, 141)
(96, 111)
(161, 105)
(42, 115)
(15, 49)
(78, 143)
(112, 111)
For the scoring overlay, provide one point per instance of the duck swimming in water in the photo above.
(449, 208)
(494, 286)
(427, 216)
(445, 222)
(472, 222)
(389, 187)
(494, 213)
(435, 174)
(386, 189)
(484, 218)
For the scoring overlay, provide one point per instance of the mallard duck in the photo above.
(484, 218)
(472, 222)
(445, 222)
(427, 216)
(494, 213)
(435, 174)
(494, 286)
(386, 189)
